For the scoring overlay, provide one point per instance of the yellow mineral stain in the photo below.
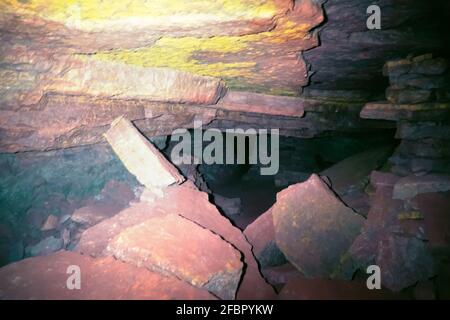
(97, 10)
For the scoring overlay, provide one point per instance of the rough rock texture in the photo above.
(351, 56)
(435, 208)
(261, 103)
(313, 228)
(140, 156)
(352, 173)
(397, 246)
(105, 278)
(261, 235)
(176, 246)
(192, 204)
(413, 112)
(410, 186)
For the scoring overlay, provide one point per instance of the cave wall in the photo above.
(351, 57)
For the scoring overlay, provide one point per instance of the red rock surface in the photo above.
(260, 232)
(176, 246)
(313, 228)
(262, 104)
(193, 205)
(105, 278)
(435, 208)
(396, 246)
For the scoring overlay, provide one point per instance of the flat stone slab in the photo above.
(46, 277)
(313, 228)
(262, 103)
(410, 186)
(141, 157)
(176, 246)
(396, 112)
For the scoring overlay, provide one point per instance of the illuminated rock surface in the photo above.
(313, 228)
(106, 278)
(174, 245)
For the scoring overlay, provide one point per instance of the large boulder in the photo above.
(176, 246)
(104, 278)
(313, 228)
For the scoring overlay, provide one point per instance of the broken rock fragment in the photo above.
(101, 279)
(176, 246)
(140, 157)
(313, 227)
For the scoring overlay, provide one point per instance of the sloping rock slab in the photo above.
(140, 156)
(174, 245)
(313, 228)
(105, 278)
(351, 173)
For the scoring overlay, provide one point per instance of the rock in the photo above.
(173, 245)
(160, 142)
(435, 66)
(193, 205)
(45, 247)
(50, 224)
(383, 179)
(114, 197)
(313, 228)
(285, 178)
(419, 81)
(410, 186)
(230, 206)
(45, 278)
(426, 148)
(126, 81)
(406, 96)
(412, 261)
(412, 112)
(261, 235)
(430, 165)
(94, 213)
(261, 103)
(359, 201)
(435, 208)
(394, 245)
(140, 157)
(397, 67)
(353, 172)
(323, 289)
(421, 130)
(281, 274)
